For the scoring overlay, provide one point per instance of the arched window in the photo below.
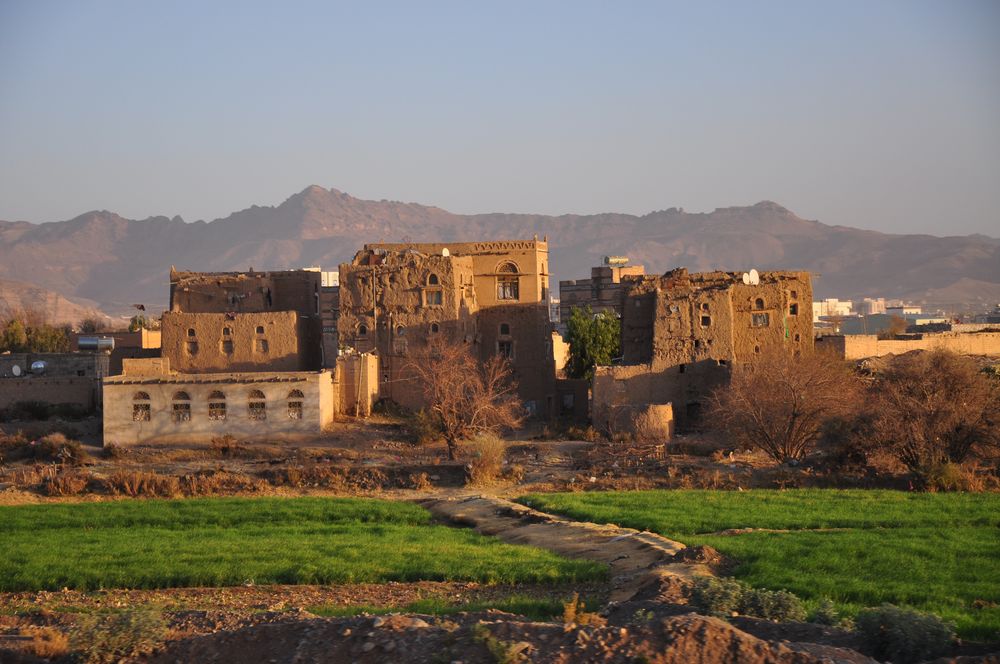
(257, 406)
(362, 330)
(295, 398)
(181, 407)
(504, 329)
(433, 280)
(704, 307)
(435, 328)
(508, 287)
(190, 331)
(260, 329)
(217, 406)
(758, 303)
(141, 409)
(401, 330)
(508, 267)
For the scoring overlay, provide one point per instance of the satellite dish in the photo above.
(746, 278)
(754, 277)
(445, 252)
(16, 370)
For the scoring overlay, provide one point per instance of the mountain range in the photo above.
(100, 257)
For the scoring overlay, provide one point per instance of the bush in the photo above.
(225, 446)
(488, 452)
(903, 635)
(722, 597)
(109, 638)
(135, 484)
(211, 482)
(66, 484)
(826, 614)
(424, 428)
(54, 448)
(46, 642)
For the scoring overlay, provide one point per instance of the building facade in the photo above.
(682, 332)
(603, 292)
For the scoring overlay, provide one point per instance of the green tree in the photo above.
(46, 338)
(594, 339)
(138, 322)
(14, 337)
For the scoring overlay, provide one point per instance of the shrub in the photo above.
(109, 638)
(54, 448)
(488, 452)
(903, 635)
(715, 597)
(424, 428)
(935, 408)
(47, 642)
(225, 446)
(211, 482)
(723, 597)
(66, 484)
(135, 483)
(826, 613)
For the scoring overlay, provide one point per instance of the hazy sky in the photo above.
(876, 114)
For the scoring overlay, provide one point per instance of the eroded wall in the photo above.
(270, 341)
(859, 346)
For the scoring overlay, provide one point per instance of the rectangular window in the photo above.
(505, 349)
(507, 288)
(793, 309)
(761, 320)
(295, 410)
(182, 412)
(260, 345)
(217, 411)
(140, 412)
(433, 298)
(706, 321)
(258, 411)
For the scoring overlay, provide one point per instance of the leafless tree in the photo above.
(466, 396)
(934, 408)
(897, 326)
(779, 402)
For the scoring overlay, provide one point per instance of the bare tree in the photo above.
(465, 396)
(934, 408)
(779, 403)
(897, 326)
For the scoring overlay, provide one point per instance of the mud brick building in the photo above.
(280, 309)
(395, 299)
(682, 332)
(67, 379)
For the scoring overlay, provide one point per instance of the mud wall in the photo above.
(526, 331)
(53, 390)
(858, 346)
(272, 341)
(89, 365)
(249, 292)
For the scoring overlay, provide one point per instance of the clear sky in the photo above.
(877, 114)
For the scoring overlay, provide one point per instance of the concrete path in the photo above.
(636, 558)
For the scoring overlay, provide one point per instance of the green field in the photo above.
(933, 552)
(232, 541)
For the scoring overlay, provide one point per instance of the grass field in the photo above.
(933, 552)
(232, 541)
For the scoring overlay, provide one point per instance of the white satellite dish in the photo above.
(16, 370)
(754, 277)
(746, 278)
(445, 252)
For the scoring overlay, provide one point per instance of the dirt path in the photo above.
(635, 558)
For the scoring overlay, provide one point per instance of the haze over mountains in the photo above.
(101, 257)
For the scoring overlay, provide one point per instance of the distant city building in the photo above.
(602, 292)
(830, 307)
(904, 310)
(869, 306)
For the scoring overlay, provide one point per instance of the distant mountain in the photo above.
(17, 297)
(117, 262)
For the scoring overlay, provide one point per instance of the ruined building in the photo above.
(682, 332)
(396, 298)
(243, 321)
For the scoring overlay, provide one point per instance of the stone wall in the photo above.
(271, 341)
